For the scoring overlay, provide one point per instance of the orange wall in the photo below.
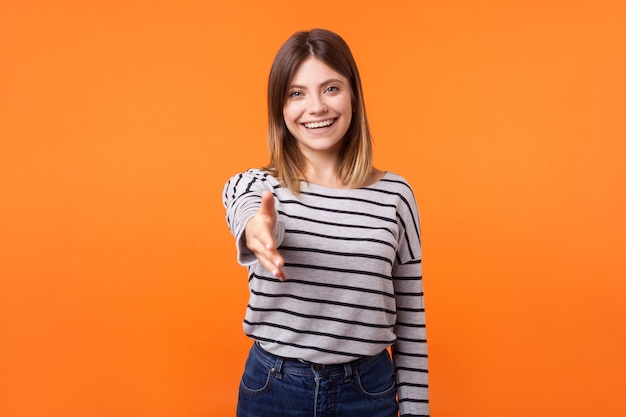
(121, 121)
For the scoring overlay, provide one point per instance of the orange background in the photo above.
(120, 121)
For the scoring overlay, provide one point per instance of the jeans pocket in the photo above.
(256, 376)
(377, 379)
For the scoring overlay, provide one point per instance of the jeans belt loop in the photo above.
(279, 368)
(347, 369)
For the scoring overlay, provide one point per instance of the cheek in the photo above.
(289, 117)
(348, 110)
(290, 113)
(344, 105)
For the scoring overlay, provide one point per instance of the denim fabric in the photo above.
(280, 387)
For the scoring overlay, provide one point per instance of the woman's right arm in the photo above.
(253, 220)
(259, 235)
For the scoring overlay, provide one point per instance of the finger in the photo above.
(273, 262)
(263, 247)
(267, 205)
(279, 271)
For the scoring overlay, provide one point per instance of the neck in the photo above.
(323, 169)
(326, 176)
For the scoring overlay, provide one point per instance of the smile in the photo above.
(317, 125)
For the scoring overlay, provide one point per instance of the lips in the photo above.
(320, 124)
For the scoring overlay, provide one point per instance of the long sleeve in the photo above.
(242, 198)
(410, 352)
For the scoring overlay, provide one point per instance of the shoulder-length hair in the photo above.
(286, 161)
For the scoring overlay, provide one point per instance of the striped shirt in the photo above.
(354, 276)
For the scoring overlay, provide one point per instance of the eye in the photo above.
(332, 89)
(296, 94)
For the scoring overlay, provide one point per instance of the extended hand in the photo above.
(260, 237)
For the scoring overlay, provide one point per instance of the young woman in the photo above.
(332, 247)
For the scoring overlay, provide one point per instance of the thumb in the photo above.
(267, 205)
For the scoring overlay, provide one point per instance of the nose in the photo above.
(316, 104)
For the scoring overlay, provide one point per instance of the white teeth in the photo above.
(315, 125)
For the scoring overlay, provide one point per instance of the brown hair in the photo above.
(286, 161)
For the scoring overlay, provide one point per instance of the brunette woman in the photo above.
(333, 253)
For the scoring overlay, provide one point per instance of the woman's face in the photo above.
(318, 109)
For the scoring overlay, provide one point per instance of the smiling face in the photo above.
(318, 109)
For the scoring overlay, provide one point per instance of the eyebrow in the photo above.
(329, 81)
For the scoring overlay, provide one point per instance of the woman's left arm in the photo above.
(410, 353)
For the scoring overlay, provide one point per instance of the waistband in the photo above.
(280, 365)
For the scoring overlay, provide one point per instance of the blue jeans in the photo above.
(279, 387)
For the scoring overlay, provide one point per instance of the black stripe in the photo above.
(347, 239)
(310, 332)
(315, 317)
(317, 301)
(326, 285)
(328, 252)
(415, 415)
(412, 400)
(409, 294)
(410, 325)
(411, 355)
(351, 213)
(343, 271)
(408, 384)
(348, 226)
(406, 237)
(360, 200)
(397, 278)
(414, 310)
(250, 184)
(404, 368)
